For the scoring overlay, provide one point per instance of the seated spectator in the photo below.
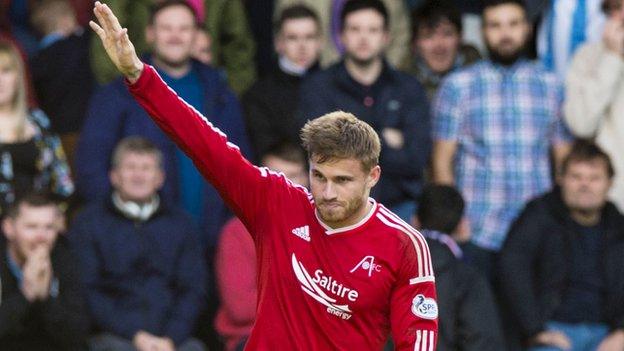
(113, 114)
(60, 70)
(437, 48)
(31, 156)
(392, 102)
(233, 46)
(329, 12)
(594, 104)
(468, 316)
(42, 304)
(270, 104)
(561, 267)
(140, 260)
(235, 261)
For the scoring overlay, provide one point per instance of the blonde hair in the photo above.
(11, 57)
(341, 135)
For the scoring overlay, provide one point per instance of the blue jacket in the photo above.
(147, 276)
(113, 114)
(398, 101)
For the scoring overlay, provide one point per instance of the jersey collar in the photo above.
(329, 230)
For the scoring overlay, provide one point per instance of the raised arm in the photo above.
(243, 187)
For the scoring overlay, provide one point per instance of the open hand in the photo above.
(116, 42)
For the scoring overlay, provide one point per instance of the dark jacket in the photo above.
(270, 106)
(59, 323)
(398, 101)
(113, 114)
(140, 275)
(468, 320)
(534, 263)
(63, 81)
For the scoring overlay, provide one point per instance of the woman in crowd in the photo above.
(31, 157)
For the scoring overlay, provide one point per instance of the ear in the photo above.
(149, 34)
(373, 176)
(415, 221)
(161, 178)
(462, 232)
(278, 43)
(113, 177)
(387, 38)
(8, 228)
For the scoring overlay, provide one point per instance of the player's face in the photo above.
(33, 227)
(8, 80)
(506, 32)
(340, 189)
(585, 184)
(438, 46)
(364, 36)
(137, 177)
(299, 41)
(172, 35)
(294, 171)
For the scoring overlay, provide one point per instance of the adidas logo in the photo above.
(302, 232)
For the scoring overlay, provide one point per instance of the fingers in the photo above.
(110, 18)
(97, 11)
(97, 29)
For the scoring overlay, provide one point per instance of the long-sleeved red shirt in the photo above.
(318, 288)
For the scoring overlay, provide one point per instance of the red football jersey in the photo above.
(318, 288)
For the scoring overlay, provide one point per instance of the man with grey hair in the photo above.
(141, 265)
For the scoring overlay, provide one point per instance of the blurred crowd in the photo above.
(502, 132)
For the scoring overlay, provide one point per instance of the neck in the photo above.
(364, 73)
(174, 71)
(586, 217)
(125, 199)
(290, 67)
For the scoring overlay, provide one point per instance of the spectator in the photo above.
(60, 70)
(31, 156)
(494, 123)
(140, 260)
(235, 261)
(561, 265)
(566, 25)
(468, 316)
(113, 114)
(392, 102)
(233, 47)
(594, 105)
(42, 304)
(436, 44)
(270, 104)
(329, 12)
(202, 48)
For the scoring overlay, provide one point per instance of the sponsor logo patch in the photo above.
(321, 286)
(424, 307)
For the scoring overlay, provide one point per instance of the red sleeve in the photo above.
(244, 187)
(235, 265)
(413, 305)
